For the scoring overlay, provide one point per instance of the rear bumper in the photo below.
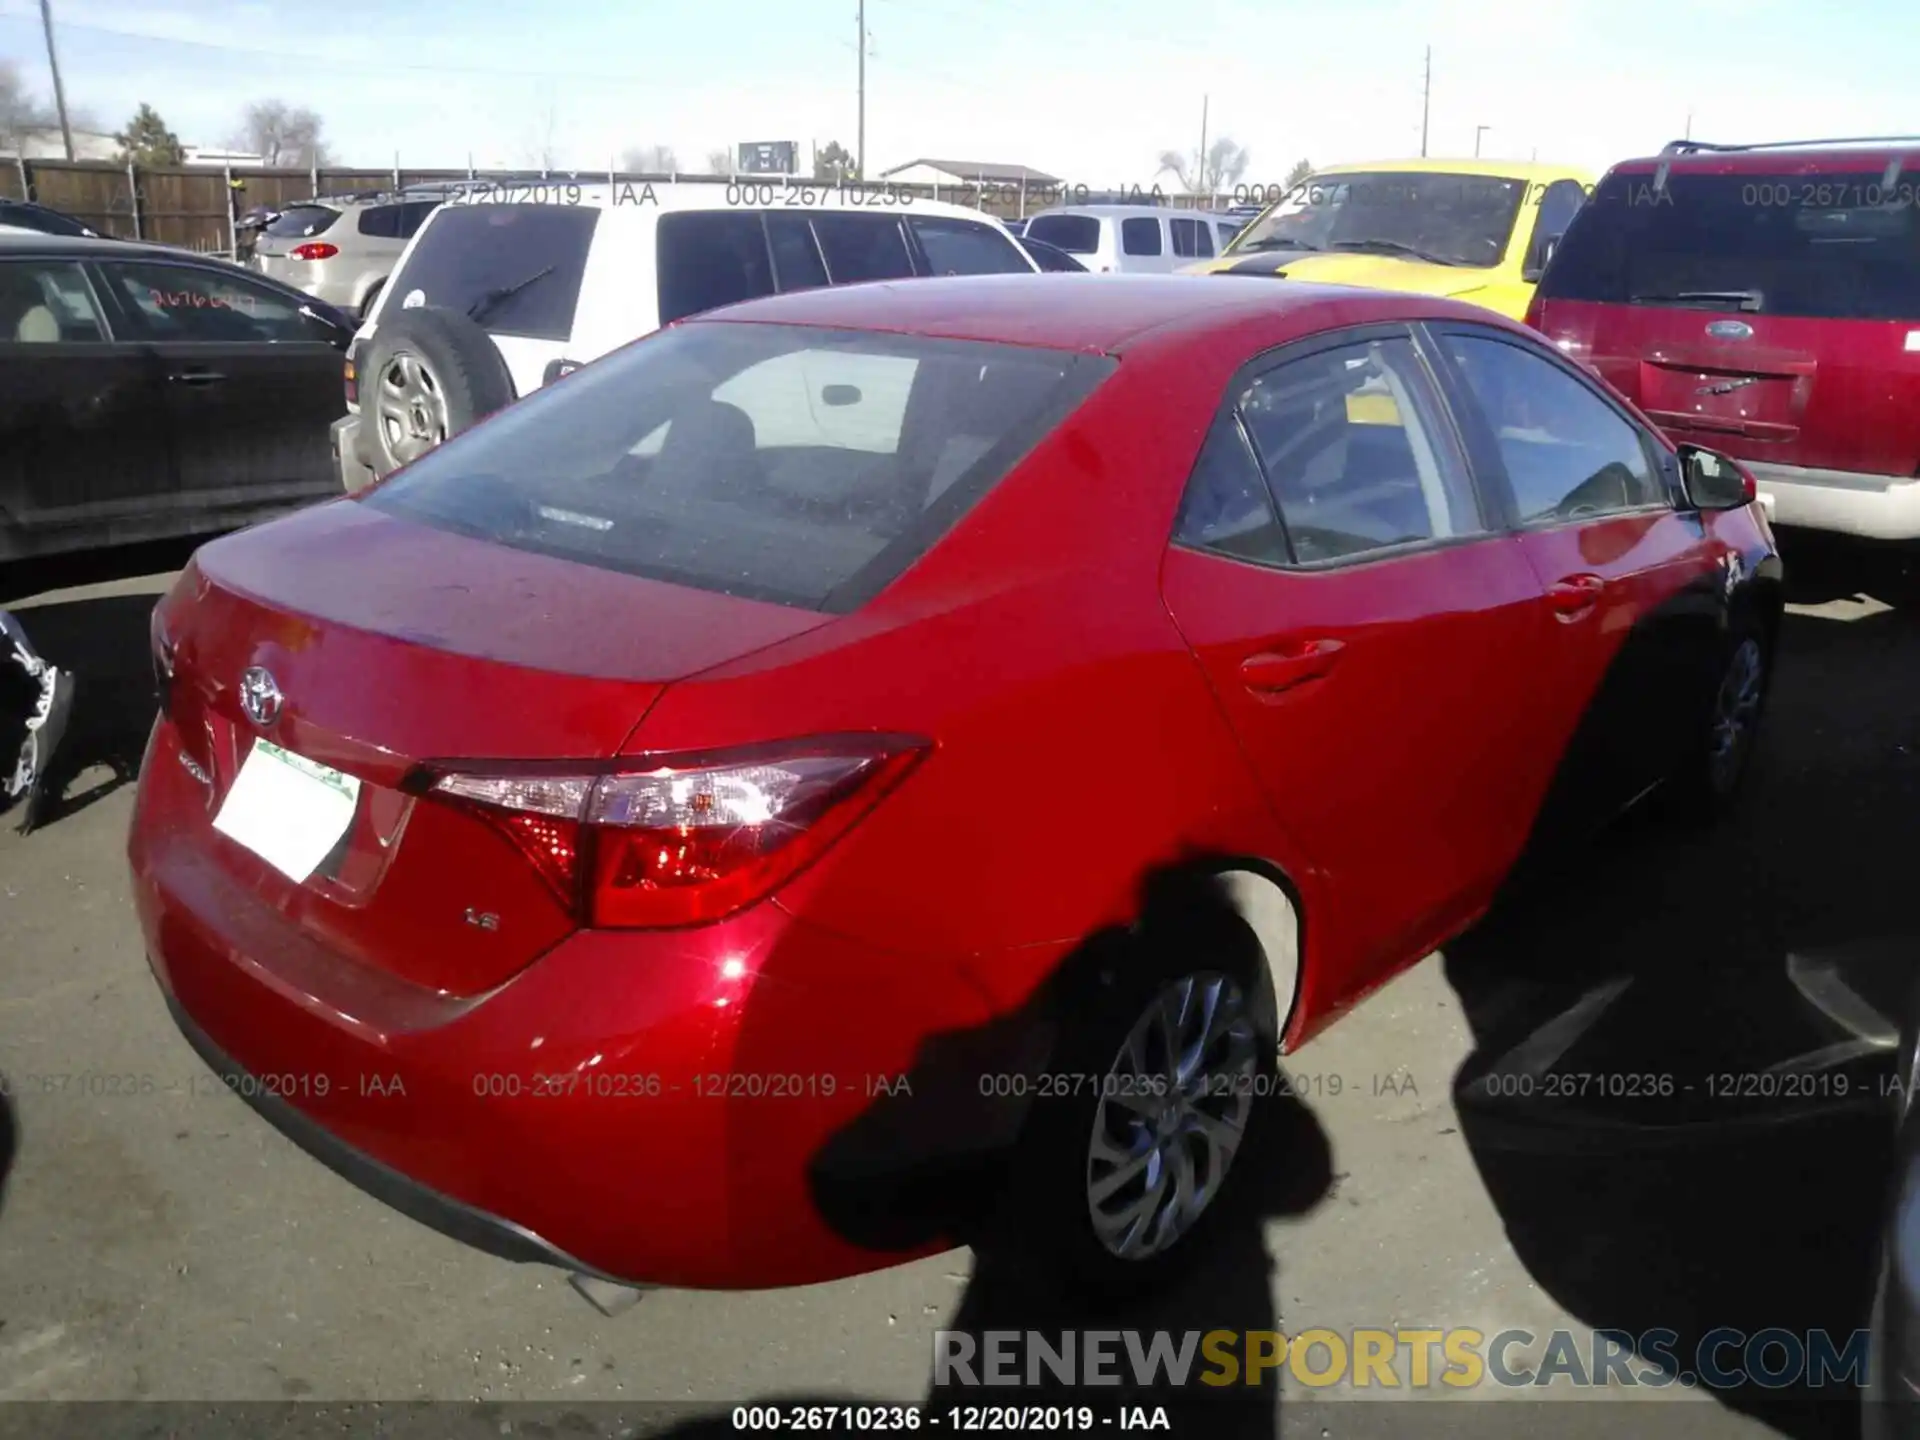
(709, 1108)
(1873, 507)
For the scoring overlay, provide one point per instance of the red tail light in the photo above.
(690, 838)
(314, 250)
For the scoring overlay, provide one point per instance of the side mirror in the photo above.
(1715, 481)
(558, 370)
(1537, 266)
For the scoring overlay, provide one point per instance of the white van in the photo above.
(1133, 239)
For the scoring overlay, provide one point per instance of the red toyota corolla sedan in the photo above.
(651, 830)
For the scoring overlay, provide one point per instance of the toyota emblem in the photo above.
(260, 696)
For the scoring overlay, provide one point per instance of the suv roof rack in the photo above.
(1694, 147)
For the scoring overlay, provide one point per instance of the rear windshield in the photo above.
(524, 262)
(396, 222)
(302, 222)
(1829, 246)
(804, 466)
(1075, 234)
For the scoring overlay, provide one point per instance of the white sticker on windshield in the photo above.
(415, 299)
(1913, 340)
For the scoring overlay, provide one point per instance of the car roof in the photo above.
(1102, 314)
(625, 202)
(1129, 211)
(84, 245)
(1540, 170)
(1864, 157)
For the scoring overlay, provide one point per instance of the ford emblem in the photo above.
(1730, 330)
(260, 696)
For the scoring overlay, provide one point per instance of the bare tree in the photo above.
(1219, 169)
(19, 111)
(651, 160)
(282, 135)
(832, 162)
(540, 152)
(720, 162)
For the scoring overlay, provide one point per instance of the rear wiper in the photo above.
(1732, 299)
(484, 306)
(1392, 247)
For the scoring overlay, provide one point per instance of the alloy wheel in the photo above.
(410, 408)
(1172, 1112)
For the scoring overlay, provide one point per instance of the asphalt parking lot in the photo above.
(169, 1246)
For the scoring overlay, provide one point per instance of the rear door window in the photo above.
(1075, 234)
(1192, 239)
(803, 466)
(186, 302)
(710, 258)
(963, 247)
(1820, 246)
(46, 302)
(862, 247)
(1140, 235)
(529, 258)
(796, 254)
(301, 222)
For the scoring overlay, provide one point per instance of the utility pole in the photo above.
(1478, 131)
(1426, 103)
(53, 64)
(1689, 133)
(1200, 165)
(860, 136)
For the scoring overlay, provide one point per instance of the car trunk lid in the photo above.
(393, 645)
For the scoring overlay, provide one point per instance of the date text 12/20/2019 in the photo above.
(959, 1419)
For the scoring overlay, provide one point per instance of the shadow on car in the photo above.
(1684, 1041)
(1284, 1169)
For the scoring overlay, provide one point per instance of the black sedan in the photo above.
(27, 215)
(147, 393)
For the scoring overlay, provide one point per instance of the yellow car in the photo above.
(1474, 230)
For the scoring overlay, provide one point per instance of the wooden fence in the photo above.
(196, 206)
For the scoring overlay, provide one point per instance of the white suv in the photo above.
(503, 290)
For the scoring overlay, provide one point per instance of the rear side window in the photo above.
(1075, 234)
(710, 258)
(1192, 239)
(1140, 235)
(862, 247)
(395, 222)
(961, 247)
(1821, 246)
(796, 254)
(524, 261)
(1356, 453)
(301, 222)
(803, 466)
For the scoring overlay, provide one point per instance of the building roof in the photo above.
(978, 170)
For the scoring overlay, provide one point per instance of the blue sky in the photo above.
(1090, 92)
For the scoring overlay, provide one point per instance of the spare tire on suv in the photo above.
(428, 373)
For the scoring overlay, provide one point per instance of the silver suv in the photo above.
(342, 249)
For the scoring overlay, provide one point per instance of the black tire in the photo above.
(1043, 1227)
(1707, 783)
(455, 360)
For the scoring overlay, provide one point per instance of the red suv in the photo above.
(1053, 693)
(1763, 299)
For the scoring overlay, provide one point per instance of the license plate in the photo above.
(287, 809)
